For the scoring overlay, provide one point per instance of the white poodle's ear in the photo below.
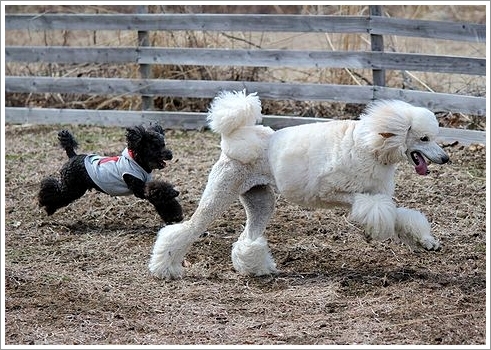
(386, 135)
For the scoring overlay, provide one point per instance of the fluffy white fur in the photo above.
(235, 115)
(349, 163)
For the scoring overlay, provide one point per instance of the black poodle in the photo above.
(129, 173)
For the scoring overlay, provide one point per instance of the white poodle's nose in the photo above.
(436, 154)
(444, 159)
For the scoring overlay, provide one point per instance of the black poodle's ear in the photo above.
(134, 136)
(158, 128)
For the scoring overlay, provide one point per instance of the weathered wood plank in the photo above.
(437, 102)
(183, 120)
(188, 88)
(71, 54)
(168, 120)
(243, 22)
(188, 21)
(144, 68)
(377, 44)
(463, 137)
(428, 29)
(276, 91)
(255, 58)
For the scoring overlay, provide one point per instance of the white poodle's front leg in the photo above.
(413, 228)
(223, 187)
(377, 213)
(170, 248)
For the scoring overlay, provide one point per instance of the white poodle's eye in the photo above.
(425, 139)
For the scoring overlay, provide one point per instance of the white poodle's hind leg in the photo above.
(377, 213)
(251, 254)
(413, 228)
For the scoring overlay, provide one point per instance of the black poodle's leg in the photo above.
(136, 185)
(54, 195)
(74, 182)
(49, 195)
(169, 211)
(162, 195)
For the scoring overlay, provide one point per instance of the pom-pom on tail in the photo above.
(230, 111)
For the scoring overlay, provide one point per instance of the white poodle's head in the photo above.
(395, 130)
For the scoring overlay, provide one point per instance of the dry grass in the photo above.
(81, 277)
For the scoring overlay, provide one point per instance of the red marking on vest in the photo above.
(108, 159)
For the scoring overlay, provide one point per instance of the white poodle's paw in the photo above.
(253, 257)
(169, 250)
(164, 269)
(430, 243)
(413, 229)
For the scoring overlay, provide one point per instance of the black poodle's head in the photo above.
(147, 146)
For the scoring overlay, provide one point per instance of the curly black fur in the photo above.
(163, 197)
(148, 150)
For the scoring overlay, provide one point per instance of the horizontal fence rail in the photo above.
(274, 91)
(377, 60)
(186, 121)
(253, 58)
(259, 23)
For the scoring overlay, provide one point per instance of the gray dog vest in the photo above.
(107, 172)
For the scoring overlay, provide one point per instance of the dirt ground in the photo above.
(81, 276)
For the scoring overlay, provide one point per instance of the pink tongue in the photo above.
(421, 168)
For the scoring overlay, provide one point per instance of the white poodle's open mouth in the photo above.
(419, 163)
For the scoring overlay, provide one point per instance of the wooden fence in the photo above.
(376, 60)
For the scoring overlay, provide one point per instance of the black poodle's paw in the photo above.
(163, 197)
(170, 211)
(157, 191)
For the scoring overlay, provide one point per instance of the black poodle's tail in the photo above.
(68, 142)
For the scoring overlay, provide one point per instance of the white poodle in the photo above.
(346, 162)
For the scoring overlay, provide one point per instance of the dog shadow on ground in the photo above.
(80, 227)
(371, 277)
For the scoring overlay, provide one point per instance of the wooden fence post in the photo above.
(145, 69)
(377, 42)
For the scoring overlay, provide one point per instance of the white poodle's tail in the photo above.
(230, 111)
